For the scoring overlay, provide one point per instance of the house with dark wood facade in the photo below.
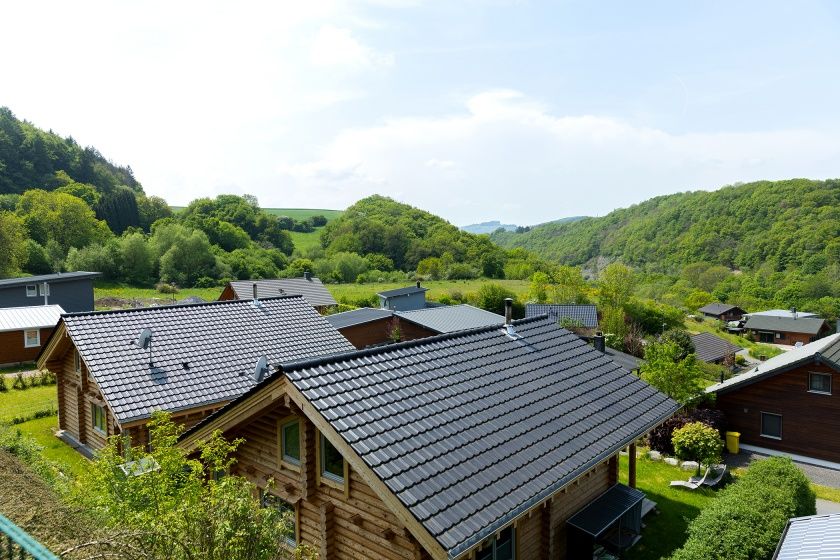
(788, 404)
(73, 291)
(722, 312)
(114, 368)
(23, 330)
(786, 330)
(311, 288)
(478, 444)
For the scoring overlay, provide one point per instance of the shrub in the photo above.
(698, 442)
(660, 438)
(164, 288)
(19, 383)
(3, 387)
(746, 521)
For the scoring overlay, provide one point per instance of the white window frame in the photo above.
(283, 456)
(26, 343)
(31, 290)
(326, 475)
(268, 499)
(812, 390)
(761, 426)
(41, 289)
(93, 414)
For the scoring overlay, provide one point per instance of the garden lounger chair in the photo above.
(712, 481)
(691, 485)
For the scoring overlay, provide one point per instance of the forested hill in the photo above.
(787, 224)
(33, 158)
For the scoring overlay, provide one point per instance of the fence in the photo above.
(16, 544)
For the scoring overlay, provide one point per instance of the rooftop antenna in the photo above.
(144, 342)
(260, 369)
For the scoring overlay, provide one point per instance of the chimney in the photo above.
(307, 275)
(508, 311)
(255, 291)
(256, 301)
(793, 312)
(599, 342)
(418, 283)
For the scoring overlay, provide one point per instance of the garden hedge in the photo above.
(746, 521)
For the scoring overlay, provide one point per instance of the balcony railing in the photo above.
(16, 544)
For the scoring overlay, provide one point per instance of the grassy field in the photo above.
(15, 403)
(102, 290)
(306, 241)
(303, 213)
(43, 431)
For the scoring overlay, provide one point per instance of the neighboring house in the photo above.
(627, 361)
(309, 287)
(722, 312)
(790, 314)
(810, 538)
(23, 330)
(200, 357)
(403, 299)
(786, 330)
(586, 315)
(476, 444)
(73, 291)
(790, 403)
(367, 327)
(713, 349)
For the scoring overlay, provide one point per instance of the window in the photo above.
(819, 383)
(332, 463)
(290, 442)
(498, 548)
(77, 362)
(43, 288)
(31, 290)
(286, 509)
(32, 338)
(771, 425)
(98, 414)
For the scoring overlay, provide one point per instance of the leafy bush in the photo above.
(746, 521)
(660, 438)
(19, 383)
(765, 350)
(165, 288)
(698, 442)
(3, 387)
(668, 369)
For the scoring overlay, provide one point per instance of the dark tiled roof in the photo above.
(312, 289)
(717, 308)
(586, 314)
(451, 318)
(627, 361)
(402, 291)
(471, 429)
(810, 538)
(221, 341)
(806, 325)
(62, 277)
(357, 317)
(710, 348)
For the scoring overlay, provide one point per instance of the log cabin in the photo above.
(114, 368)
(722, 312)
(789, 404)
(311, 288)
(479, 444)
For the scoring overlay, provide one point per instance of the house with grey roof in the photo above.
(816, 537)
(311, 288)
(403, 299)
(73, 291)
(788, 404)
(471, 444)
(24, 329)
(584, 315)
(713, 349)
(785, 330)
(722, 311)
(114, 368)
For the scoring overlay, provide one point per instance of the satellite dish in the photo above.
(260, 369)
(145, 339)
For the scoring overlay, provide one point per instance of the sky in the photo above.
(475, 110)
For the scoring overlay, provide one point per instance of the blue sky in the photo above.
(519, 111)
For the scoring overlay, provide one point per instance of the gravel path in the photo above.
(817, 475)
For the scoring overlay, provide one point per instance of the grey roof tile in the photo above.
(311, 289)
(451, 318)
(806, 325)
(402, 291)
(469, 429)
(711, 348)
(717, 308)
(358, 317)
(221, 341)
(586, 314)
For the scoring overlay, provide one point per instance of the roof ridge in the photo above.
(296, 365)
(177, 306)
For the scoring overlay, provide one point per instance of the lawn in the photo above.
(43, 431)
(437, 288)
(303, 213)
(665, 532)
(122, 291)
(306, 241)
(15, 403)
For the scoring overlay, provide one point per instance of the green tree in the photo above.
(491, 296)
(13, 242)
(137, 261)
(62, 218)
(88, 193)
(105, 258)
(539, 287)
(698, 442)
(187, 260)
(615, 285)
(569, 285)
(679, 378)
(151, 209)
(681, 338)
(37, 259)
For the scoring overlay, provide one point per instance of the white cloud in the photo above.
(519, 162)
(334, 46)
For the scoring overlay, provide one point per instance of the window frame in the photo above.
(821, 374)
(761, 426)
(292, 506)
(32, 290)
(26, 338)
(41, 289)
(288, 460)
(77, 361)
(493, 541)
(96, 414)
(323, 474)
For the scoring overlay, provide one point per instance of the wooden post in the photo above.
(631, 471)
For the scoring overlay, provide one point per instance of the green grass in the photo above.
(15, 403)
(665, 532)
(306, 241)
(43, 431)
(104, 290)
(303, 213)
(826, 492)
(437, 288)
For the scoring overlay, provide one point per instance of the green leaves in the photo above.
(671, 371)
(698, 442)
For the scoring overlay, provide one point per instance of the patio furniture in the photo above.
(692, 484)
(712, 481)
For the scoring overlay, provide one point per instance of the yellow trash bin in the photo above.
(732, 439)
